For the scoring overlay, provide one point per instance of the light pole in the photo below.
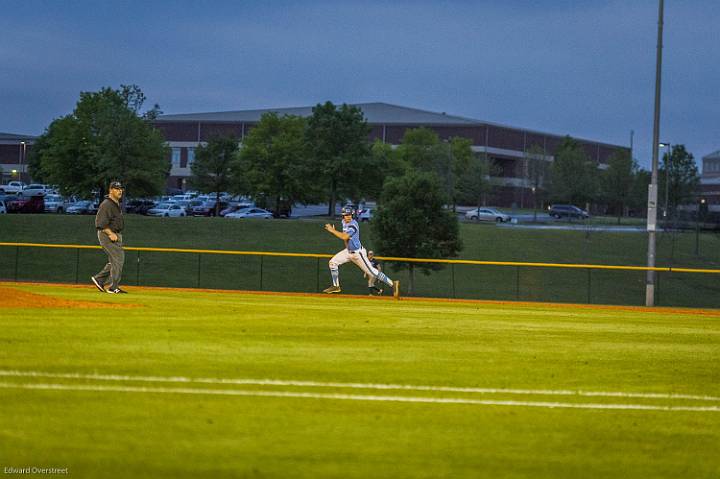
(22, 159)
(668, 159)
(534, 205)
(652, 189)
(701, 209)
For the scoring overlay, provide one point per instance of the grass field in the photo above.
(482, 242)
(176, 383)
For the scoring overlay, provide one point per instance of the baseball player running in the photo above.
(354, 252)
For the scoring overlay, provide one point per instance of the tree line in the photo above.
(328, 158)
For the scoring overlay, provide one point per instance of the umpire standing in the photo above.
(109, 224)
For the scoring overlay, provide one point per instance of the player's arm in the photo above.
(338, 234)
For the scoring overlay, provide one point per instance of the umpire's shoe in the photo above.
(97, 285)
(332, 289)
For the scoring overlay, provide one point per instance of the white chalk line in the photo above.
(316, 384)
(353, 397)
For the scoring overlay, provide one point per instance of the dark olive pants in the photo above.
(116, 260)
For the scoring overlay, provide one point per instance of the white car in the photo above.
(55, 204)
(12, 187)
(35, 190)
(487, 214)
(366, 214)
(82, 207)
(167, 209)
(3, 208)
(250, 213)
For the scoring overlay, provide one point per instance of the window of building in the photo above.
(191, 156)
(176, 157)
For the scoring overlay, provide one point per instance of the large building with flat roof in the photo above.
(14, 149)
(710, 180)
(505, 145)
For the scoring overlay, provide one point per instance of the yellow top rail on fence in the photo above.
(386, 258)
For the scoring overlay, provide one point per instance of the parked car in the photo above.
(250, 213)
(365, 214)
(567, 211)
(208, 208)
(3, 208)
(24, 204)
(487, 214)
(139, 206)
(55, 204)
(232, 208)
(35, 189)
(167, 209)
(82, 207)
(12, 187)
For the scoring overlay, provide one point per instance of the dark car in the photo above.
(139, 206)
(208, 208)
(24, 204)
(567, 211)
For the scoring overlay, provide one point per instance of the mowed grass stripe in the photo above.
(343, 385)
(353, 397)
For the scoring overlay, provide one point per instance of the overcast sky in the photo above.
(580, 67)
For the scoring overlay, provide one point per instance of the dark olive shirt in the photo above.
(109, 215)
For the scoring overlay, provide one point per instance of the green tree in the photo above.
(616, 182)
(386, 159)
(422, 149)
(475, 184)
(573, 176)
(412, 222)
(104, 138)
(460, 160)
(274, 163)
(683, 179)
(337, 139)
(213, 166)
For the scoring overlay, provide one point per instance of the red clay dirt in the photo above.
(522, 304)
(15, 298)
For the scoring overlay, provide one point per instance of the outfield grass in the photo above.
(138, 425)
(482, 242)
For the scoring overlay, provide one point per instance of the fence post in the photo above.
(317, 276)
(452, 269)
(261, 272)
(77, 265)
(589, 296)
(199, 265)
(517, 283)
(17, 256)
(137, 271)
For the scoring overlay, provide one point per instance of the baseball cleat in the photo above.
(116, 291)
(332, 289)
(97, 285)
(396, 289)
